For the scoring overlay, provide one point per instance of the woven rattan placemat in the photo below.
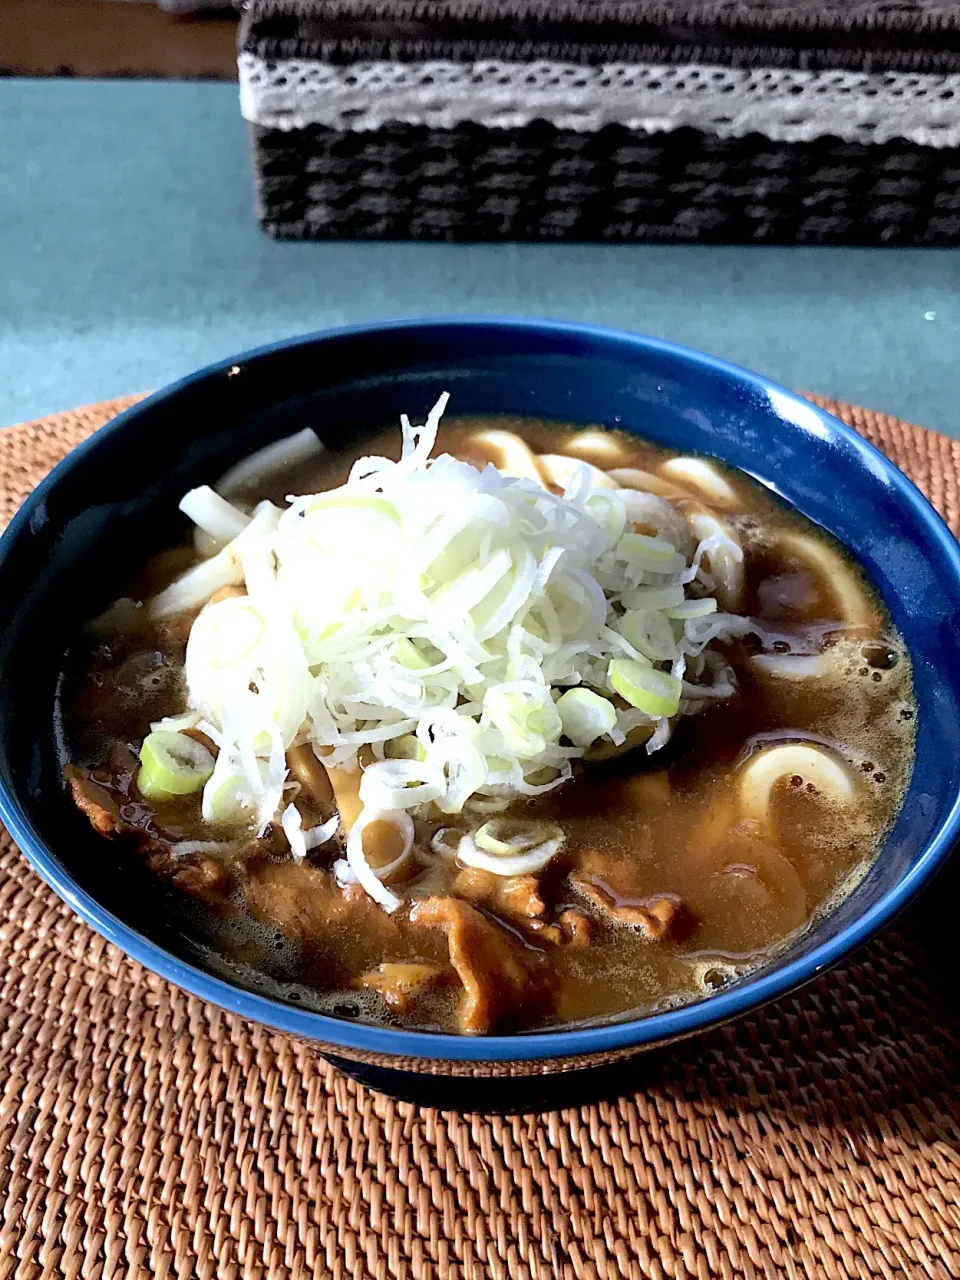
(144, 1133)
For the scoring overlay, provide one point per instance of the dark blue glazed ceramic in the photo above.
(114, 500)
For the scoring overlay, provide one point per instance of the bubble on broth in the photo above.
(249, 942)
(713, 976)
(875, 736)
(261, 958)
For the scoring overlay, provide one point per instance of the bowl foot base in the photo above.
(506, 1094)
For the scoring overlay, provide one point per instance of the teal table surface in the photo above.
(129, 255)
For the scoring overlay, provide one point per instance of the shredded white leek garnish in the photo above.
(491, 629)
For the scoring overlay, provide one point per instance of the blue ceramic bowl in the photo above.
(113, 502)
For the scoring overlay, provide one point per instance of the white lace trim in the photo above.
(785, 106)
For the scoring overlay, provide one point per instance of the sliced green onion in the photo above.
(368, 876)
(606, 749)
(226, 796)
(333, 519)
(406, 747)
(652, 598)
(692, 609)
(171, 764)
(352, 501)
(655, 554)
(349, 602)
(487, 804)
(585, 716)
(538, 780)
(176, 724)
(236, 628)
(606, 507)
(527, 723)
(504, 848)
(724, 560)
(400, 784)
(505, 836)
(408, 655)
(655, 693)
(650, 633)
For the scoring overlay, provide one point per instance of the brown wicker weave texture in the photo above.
(145, 1133)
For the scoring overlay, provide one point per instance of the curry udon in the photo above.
(553, 727)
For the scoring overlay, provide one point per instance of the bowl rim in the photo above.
(637, 1033)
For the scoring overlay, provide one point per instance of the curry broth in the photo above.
(639, 829)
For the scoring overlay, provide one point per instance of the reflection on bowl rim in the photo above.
(638, 1033)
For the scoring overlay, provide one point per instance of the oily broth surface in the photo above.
(662, 825)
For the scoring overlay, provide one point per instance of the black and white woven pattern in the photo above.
(820, 121)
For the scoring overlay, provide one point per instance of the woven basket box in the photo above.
(817, 121)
